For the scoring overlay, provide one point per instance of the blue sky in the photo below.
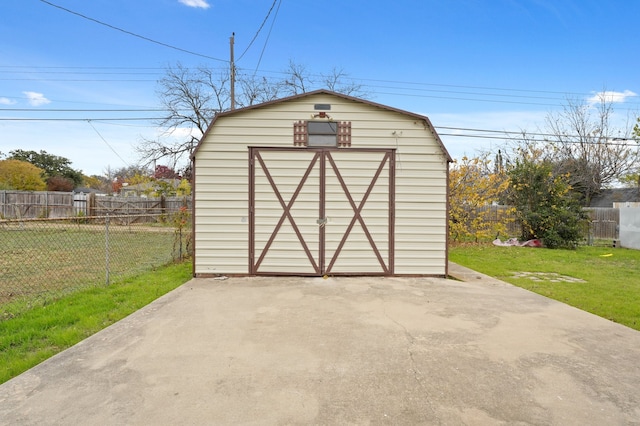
(479, 64)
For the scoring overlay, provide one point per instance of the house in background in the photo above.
(609, 197)
(320, 184)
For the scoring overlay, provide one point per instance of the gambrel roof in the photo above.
(425, 120)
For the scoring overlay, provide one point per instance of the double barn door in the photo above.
(321, 211)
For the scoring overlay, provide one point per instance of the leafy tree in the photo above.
(60, 183)
(163, 188)
(94, 181)
(165, 172)
(631, 180)
(21, 176)
(128, 174)
(184, 188)
(473, 188)
(139, 179)
(544, 203)
(52, 165)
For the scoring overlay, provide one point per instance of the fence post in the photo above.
(106, 242)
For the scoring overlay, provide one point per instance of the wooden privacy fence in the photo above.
(603, 224)
(36, 204)
(135, 209)
(42, 204)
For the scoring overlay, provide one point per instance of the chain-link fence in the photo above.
(44, 258)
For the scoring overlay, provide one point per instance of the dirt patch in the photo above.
(547, 276)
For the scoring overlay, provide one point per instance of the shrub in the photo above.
(544, 204)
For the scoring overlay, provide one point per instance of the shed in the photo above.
(320, 184)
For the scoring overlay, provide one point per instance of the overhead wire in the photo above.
(608, 141)
(79, 110)
(264, 47)
(264, 21)
(492, 134)
(470, 93)
(81, 119)
(546, 98)
(113, 27)
(107, 143)
(394, 82)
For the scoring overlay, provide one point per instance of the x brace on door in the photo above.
(287, 212)
(321, 158)
(357, 213)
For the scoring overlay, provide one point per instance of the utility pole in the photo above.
(233, 73)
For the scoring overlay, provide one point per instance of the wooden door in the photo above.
(321, 211)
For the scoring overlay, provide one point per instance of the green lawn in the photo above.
(41, 332)
(601, 280)
(41, 258)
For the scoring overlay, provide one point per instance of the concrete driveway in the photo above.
(341, 351)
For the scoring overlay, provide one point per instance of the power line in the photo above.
(505, 132)
(131, 33)
(397, 87)
(78, 72)
(385, 83)
(264, 47)
(553, 139)
(493, 134)
(79, 110)
(259, 29)
(107, 143)
(83, 119)
(84, 80)
(109, 67)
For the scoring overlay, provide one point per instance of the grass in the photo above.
(47, 256)
(43, 331)
(610, 287)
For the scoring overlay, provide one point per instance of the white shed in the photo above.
(320, 184)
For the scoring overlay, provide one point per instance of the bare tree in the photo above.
(254, 90)
(339, 81)
(298, 79)
(583, 145)
(193, 97)
(588, 149)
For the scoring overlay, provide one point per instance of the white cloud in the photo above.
(611, 96)
(196, 3)
(178, 133)
(6, 101)
(36, 99)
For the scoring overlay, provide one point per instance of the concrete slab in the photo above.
(341, 351)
